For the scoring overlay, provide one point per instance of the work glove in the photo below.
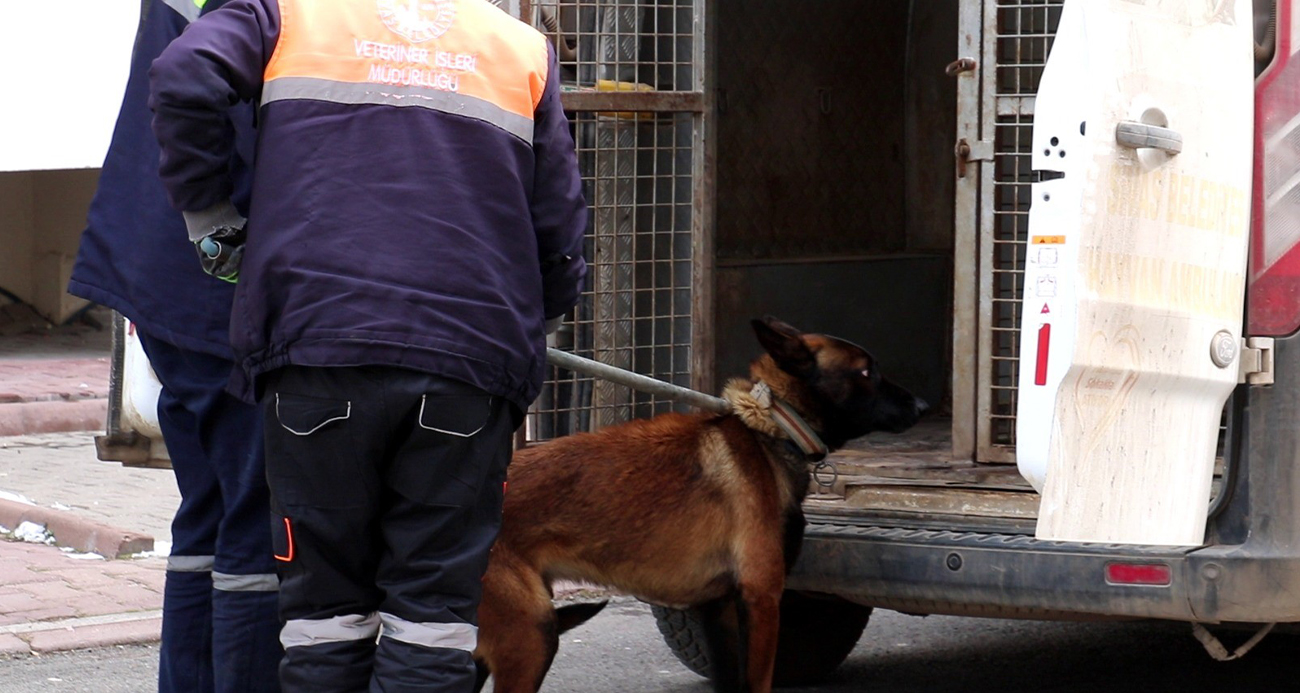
(218, 236)
(221, 251)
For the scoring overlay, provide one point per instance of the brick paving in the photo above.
(53, 378)
(51, 600)
(25, 380)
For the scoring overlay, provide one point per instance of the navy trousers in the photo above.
(220, 630)
(388, 483)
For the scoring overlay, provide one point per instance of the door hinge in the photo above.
(1256, 361)
(966, 151)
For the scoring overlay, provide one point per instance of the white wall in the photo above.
(63, 64)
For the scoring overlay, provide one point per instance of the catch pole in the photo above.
(636, 381)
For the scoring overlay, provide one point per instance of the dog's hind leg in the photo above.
(518, 629)
(521, 663)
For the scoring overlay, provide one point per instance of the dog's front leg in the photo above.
(723, 620)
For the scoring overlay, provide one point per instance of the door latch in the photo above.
(1256, 361)
(959, 66)
(981, 150)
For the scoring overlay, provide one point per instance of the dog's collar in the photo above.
(789, 421)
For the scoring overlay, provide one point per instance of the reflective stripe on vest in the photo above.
(464, 57)
(260, 582)
(190, 564)
(455, 636)
(189, 9)
(304, 632)
(326, 90)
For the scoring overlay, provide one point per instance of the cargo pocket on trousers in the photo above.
(310, 456)
(450, 451)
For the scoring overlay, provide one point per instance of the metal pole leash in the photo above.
(636, 381)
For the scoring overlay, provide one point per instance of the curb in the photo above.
(82, 634)
(76, 532)
(54, 416)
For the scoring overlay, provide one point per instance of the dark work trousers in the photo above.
(220, 626)
(389, 483)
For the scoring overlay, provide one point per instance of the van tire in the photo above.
(818, 631)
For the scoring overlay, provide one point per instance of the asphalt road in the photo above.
(620, 651)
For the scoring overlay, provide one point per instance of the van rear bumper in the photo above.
(1006, 575)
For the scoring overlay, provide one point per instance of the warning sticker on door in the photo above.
(1045, 287)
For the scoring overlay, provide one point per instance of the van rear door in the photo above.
(1136, 266)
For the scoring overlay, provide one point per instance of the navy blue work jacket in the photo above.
(135, 256)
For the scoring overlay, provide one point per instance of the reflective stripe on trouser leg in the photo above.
(190, 564)
(424, 656)
(453, 636)
(328, 655)
(261, 582)
(303, 632)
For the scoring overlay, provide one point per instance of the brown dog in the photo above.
(697, 510)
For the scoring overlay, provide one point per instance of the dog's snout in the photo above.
(921, 406)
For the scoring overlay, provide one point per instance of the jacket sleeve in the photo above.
(215, 64)
(558, 207)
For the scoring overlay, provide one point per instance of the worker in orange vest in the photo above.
(417, 224)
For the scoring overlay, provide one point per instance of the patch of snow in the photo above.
(5, 495)
(161, 549)
(60, 506)
(33, 533)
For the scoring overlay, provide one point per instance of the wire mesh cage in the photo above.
(640, 160)
(1024, 30)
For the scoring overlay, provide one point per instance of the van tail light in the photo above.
(1273, 288)
(1155, 574)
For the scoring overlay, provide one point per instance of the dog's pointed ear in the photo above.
(783, 342)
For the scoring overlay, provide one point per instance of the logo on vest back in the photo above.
(418, 21)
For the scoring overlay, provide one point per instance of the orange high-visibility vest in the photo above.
(464, 57)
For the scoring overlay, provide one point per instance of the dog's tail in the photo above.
(574, 615)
